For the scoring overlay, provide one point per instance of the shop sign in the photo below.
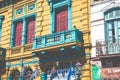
(111, 72)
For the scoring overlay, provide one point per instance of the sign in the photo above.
(111, 72)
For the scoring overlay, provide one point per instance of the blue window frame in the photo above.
(112, 24)
(112, 30)
(24, 34)
(1, 19)
(56, 5)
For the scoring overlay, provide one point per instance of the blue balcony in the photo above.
(59, 38)
(59, 46)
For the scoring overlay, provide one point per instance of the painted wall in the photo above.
(97, 28)
(97, 23)
(80, 19)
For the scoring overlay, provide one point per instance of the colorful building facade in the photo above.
(105, 39)
(43, 33)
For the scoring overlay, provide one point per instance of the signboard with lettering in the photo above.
(111, 72)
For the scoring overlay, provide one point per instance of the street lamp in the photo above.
(78, 70)
(57, 63)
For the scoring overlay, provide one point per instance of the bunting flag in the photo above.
(71, 73)
(34, 74)
(24, 72)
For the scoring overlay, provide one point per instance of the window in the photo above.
(23, 24)
(113, 33)
(30, 30)
(112, 27)
(117, 12)
(23, 31)
(111, 14)
(60, 15)
(112, 30)
(18, 34)
(1, 19)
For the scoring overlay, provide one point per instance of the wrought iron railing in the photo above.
(57, 38)
(107, 47)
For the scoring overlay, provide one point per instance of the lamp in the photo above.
(78, 70)
(57, 63)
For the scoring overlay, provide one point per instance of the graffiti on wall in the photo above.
(111, 72)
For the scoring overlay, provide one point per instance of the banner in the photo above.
(62, 74)
(111, 72)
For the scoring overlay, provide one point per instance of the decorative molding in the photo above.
(16, 50)
(25, 64)
(28, 48)
(19, 11)
(112, 13)
(31, 7)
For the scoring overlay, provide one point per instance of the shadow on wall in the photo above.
(2, 61)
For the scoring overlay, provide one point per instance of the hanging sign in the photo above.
(61, 74)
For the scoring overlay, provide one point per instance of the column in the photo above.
(12, 36)
(24, 32)
(1, 19)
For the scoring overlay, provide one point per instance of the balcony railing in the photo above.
(58, 38)
(107, 47)
(21, 49)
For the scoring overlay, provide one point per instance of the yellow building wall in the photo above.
(24, 51)
(80, 19)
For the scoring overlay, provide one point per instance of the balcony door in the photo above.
(61, 19)
(113, 36)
